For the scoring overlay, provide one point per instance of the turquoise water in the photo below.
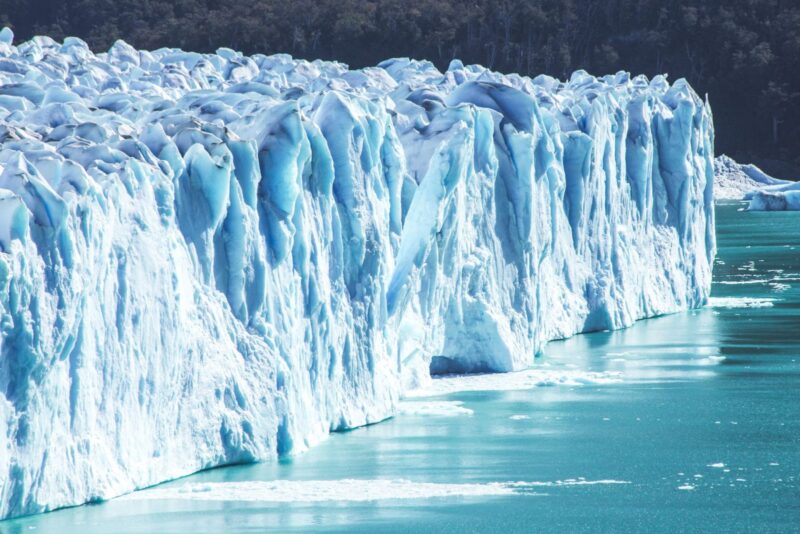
(694, 417)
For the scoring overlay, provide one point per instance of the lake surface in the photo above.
(689, 422)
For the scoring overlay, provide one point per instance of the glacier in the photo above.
(210, 259)
(734, 181)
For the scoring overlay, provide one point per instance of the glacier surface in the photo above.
(209, 259)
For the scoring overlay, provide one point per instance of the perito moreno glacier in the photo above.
(209, 259)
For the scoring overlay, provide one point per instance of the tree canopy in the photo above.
(744, 53)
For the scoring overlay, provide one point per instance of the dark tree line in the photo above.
(744, 53)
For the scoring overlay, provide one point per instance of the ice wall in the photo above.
(211, 258)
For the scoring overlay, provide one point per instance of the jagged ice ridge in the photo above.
(733, 181)
(212, 258)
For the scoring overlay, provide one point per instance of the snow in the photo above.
(209, 259)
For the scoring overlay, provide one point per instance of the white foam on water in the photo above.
(791, 277)
(740, 302)
(433, 408)
(345, 490)
(519, 417)
(578, 482)
(718, 465)
(686, 487)
(520, 380)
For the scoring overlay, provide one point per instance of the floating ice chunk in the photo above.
(312, 491)
(518, 380)
(740, 302)
(436, 408)
(347, 490)
(776, 198)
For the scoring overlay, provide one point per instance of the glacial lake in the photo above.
(689, 422)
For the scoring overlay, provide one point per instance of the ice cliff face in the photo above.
(210, 259)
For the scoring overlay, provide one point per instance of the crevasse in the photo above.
(212, 258)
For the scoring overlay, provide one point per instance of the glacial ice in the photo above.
(734, 181)
(433, 408)
(513, 381)
(209, 259)
(351, 490)
(740, 302)
(775, 198)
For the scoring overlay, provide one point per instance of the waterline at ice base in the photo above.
(211, 259)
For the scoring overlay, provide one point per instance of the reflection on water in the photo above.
(698, 412)
(675, 347)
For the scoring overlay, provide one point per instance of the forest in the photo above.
(745, 54)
